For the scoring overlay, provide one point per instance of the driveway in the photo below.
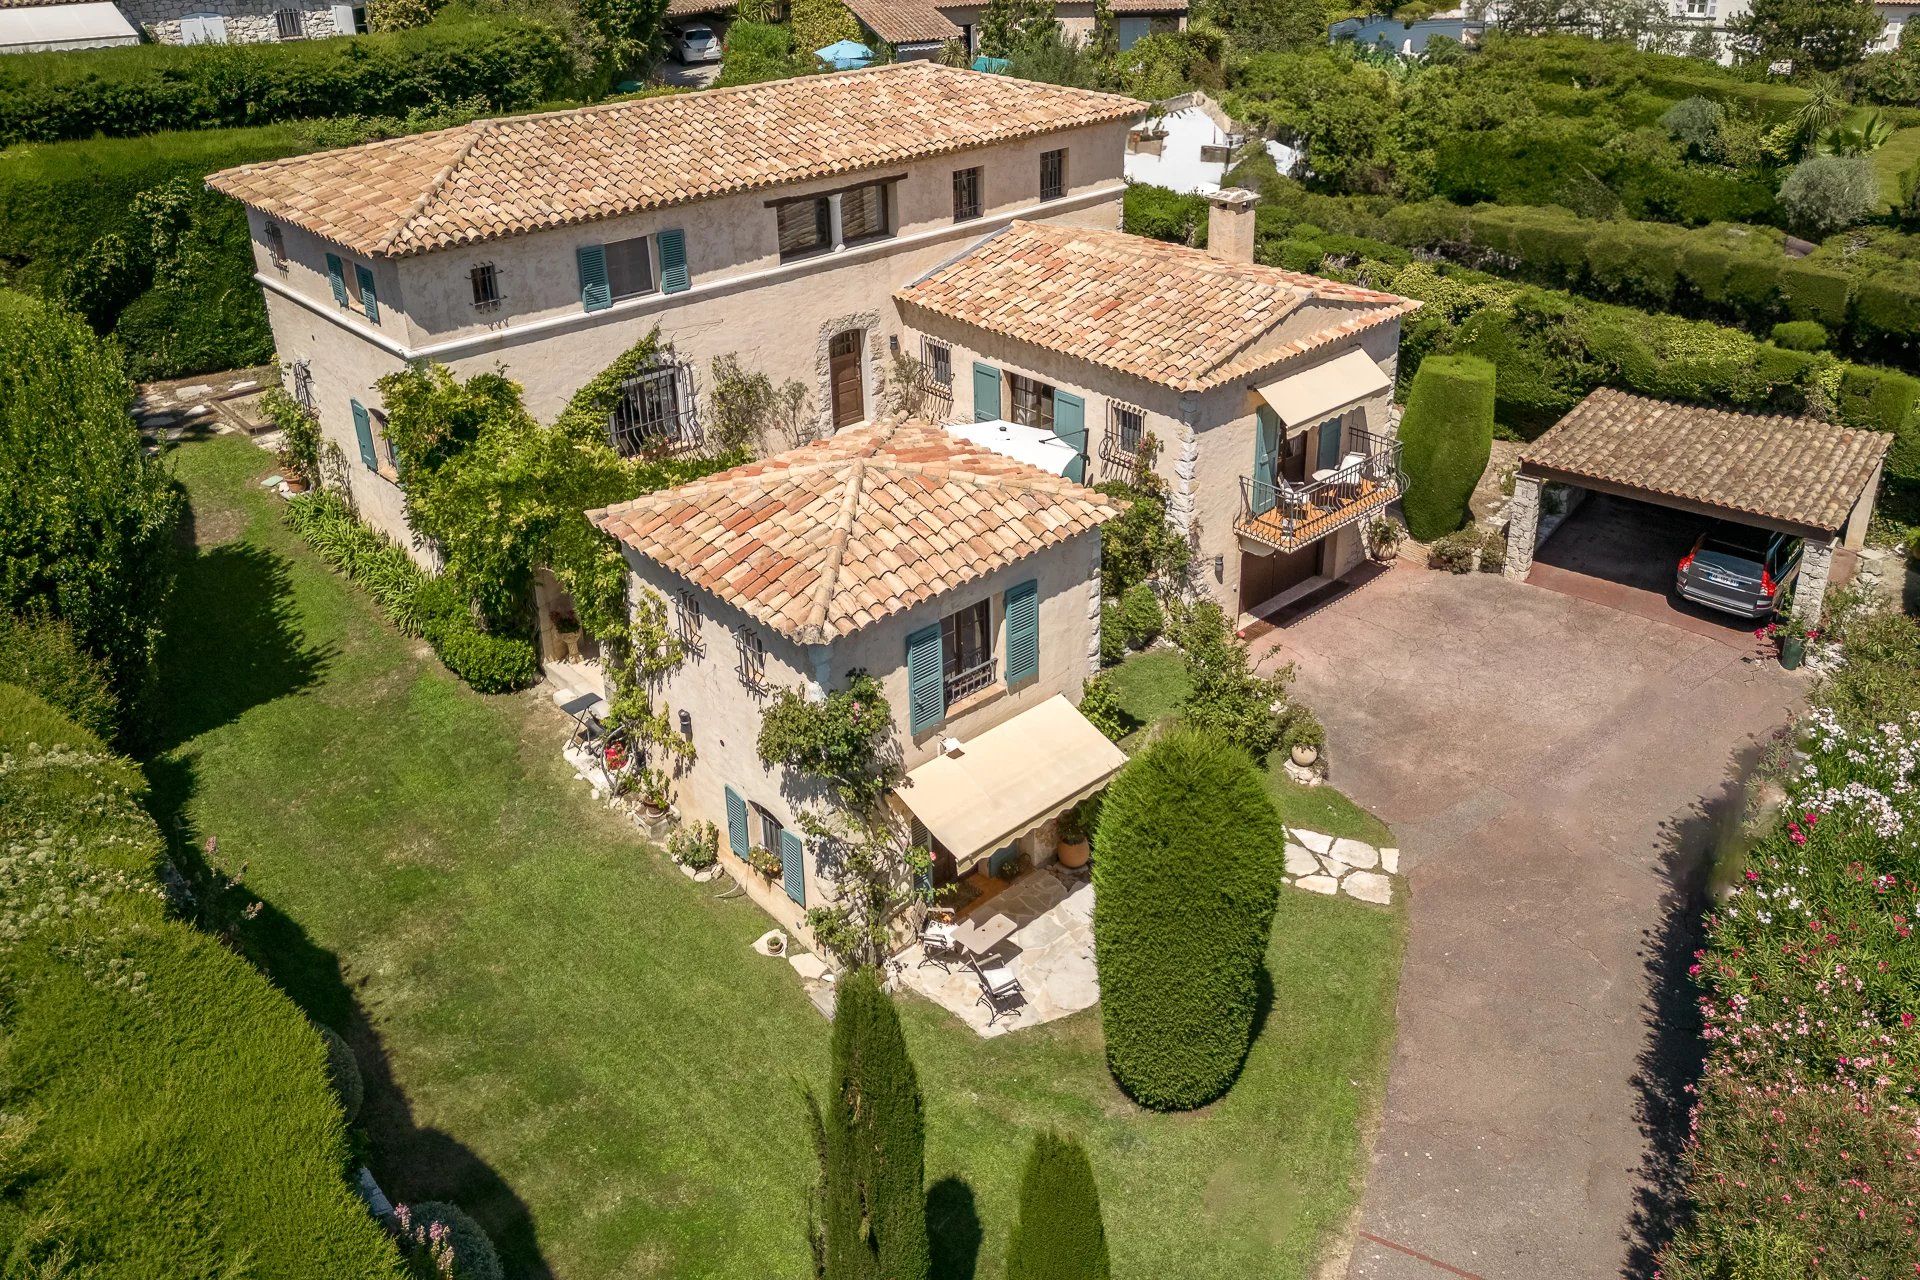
(1547, 763)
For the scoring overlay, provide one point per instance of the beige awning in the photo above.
(1007, 781)
(1304, 398)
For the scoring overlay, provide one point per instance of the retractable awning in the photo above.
(38, 28)
(1009, 780)
(1306, 397)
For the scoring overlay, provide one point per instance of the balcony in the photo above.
(1289, 516)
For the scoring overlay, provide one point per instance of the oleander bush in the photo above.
(508, 63)
(1185, 886)
(168, 1110)
(1446, 438)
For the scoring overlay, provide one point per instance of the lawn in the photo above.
(565, 1035)
(1150, 687)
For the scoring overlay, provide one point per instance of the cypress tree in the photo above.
(1059, 1235)
(870, 1206)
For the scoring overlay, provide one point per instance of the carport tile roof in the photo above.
(1789, 470)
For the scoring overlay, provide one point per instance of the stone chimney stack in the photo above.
(1230, 223)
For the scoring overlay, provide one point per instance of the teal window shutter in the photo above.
(736, 824)
(369, 304)
(926, 680)
(1070, 427)
(337, 277)
(363, 432)
(986, 392)
(921, 838)
(1330, 433)
(793, 866)
(1266, 448)
(674, 277)
(1023, 631)
(596, 294)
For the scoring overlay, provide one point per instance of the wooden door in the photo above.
(849, 404)
(1264, 577)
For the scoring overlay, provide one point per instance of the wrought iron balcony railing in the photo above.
(1290, 516)
(966, 683)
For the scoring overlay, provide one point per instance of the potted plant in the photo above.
(616, 756)
(656, 796)
(695, 846)
(1383, 538)
(1303, 736)
(566, 629)
(1073, 849)
(1793, 637)
(765, 861)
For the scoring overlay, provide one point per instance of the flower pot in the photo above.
(1074, 853)
(1792, 650)
(1304, 755)
(616, 757)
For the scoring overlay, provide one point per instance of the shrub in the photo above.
(1059, 1234)
(488, 663)
(1140, 616)
(695, 845)
(40, 655)
(1456, 552)
(1162, 214)
(761, 51)
(1800, 335)
(1695, 124)
(1100, 704)
(1184, 892)
(442, 1242)
(180, 1114)
(1142, 542)
(1446, 439)
(819, 23)
(1493, 550)
(1829, 193)
(1302, 729)
(86, 516)
(343, 1073)
(1227, 698)
(1113, 636)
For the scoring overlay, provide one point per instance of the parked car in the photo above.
(1738, 569)
(696, 43)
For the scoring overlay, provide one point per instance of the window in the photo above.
(752, 655)
(863, 214)
(654, 413)
(629, 268)
(966, 194)
(277, 245)
(687, 620)
(1053, 174)
(937, 359)
(1129, 424)
(966, 647)
(486, 286)
(1032, 402)
(771, 829)
(804, 227)
(389, 465)
(288, 24)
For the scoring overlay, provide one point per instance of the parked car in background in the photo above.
(696, 42)
(1738, 569)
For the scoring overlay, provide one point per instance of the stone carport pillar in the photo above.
(1810, 588)
(1523, 525)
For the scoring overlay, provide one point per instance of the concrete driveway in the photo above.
(1552, 767)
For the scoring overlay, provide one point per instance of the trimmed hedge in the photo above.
(1184, 890)
(504, 63)
(174, 1104)
(40, 655)
(1446, 439)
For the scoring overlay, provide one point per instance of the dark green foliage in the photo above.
(1100, 704)
(1059, 1234)
(760, 51)
(462, 1251)
(1185, 883)
(846, 739)
(40, 655)
(625, 35)
(1826, 35)
(505, 63)
(870, 1210)
(1695, 124)
(1141, 543)
(1140, 617)
(1446, 438)
(1800, 335)
(819, 23)
(1226, 698)
(1263, 26)
(1113, 640)
(489, 663)
(177, 1118)
(86, 517)
(1165, 215)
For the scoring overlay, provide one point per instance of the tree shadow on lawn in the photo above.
(412, 1163)
(953, 1224)
(1675, 1052)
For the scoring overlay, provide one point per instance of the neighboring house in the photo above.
(35, 26)
(1267, 392)
(919, 28)
(1189, 143)
(1715, 19)
(243, 21)
(770, 220)
(967, 583)
(1409, 38)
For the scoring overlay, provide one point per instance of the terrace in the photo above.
(1289, 516)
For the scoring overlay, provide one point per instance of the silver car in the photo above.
(1738, 569)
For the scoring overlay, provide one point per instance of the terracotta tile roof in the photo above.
(1180, 317)
(501, 177)
(831, 537)
(905, 21)
(698, 8)
(1148, 6)
(1795, 471)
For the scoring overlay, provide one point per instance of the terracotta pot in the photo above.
(1304, 755)
(296, 486)
(1074, 853)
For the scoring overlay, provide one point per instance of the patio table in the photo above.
(982, 936)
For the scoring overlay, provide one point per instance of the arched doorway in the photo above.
(845, 378)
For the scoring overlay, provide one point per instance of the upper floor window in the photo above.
(937, 359)
(629, 268)
(632, 268)
(288, 24)
(811, 224)
(1032, 402)
(966, 194)
(863, 213)
(805, 227)
(952, 660)
(355, 290)
(966, 647)
(687, 620)
(655, 413)
(751, 655)
(1053, 174)
(277, 245)
(485, 280)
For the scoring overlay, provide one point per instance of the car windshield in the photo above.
(1726, 549)
(699, 35)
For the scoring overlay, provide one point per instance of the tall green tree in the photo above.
(869, 1211)
(1267, 26)
(625, 35)
(87, 517)
(1820, 35)
(1059, 1234)
(1008, 26)
(1446, 438)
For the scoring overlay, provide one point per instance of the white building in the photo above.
(1190, 143)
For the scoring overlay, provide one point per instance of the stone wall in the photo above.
(245, 21)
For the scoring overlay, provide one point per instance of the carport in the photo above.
(1810, 479)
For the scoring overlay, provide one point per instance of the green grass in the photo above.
(562, 1033)
(1151, 686)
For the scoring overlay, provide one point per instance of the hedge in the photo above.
(40, 655)
(1446, 438)
(502, 63)
(1184, 891)
(173, 1103)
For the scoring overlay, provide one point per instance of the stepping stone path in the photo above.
(1320, 863)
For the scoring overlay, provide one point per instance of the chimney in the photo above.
(1230, 224)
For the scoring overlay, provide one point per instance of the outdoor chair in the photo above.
(939, 943)
(999, 989)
